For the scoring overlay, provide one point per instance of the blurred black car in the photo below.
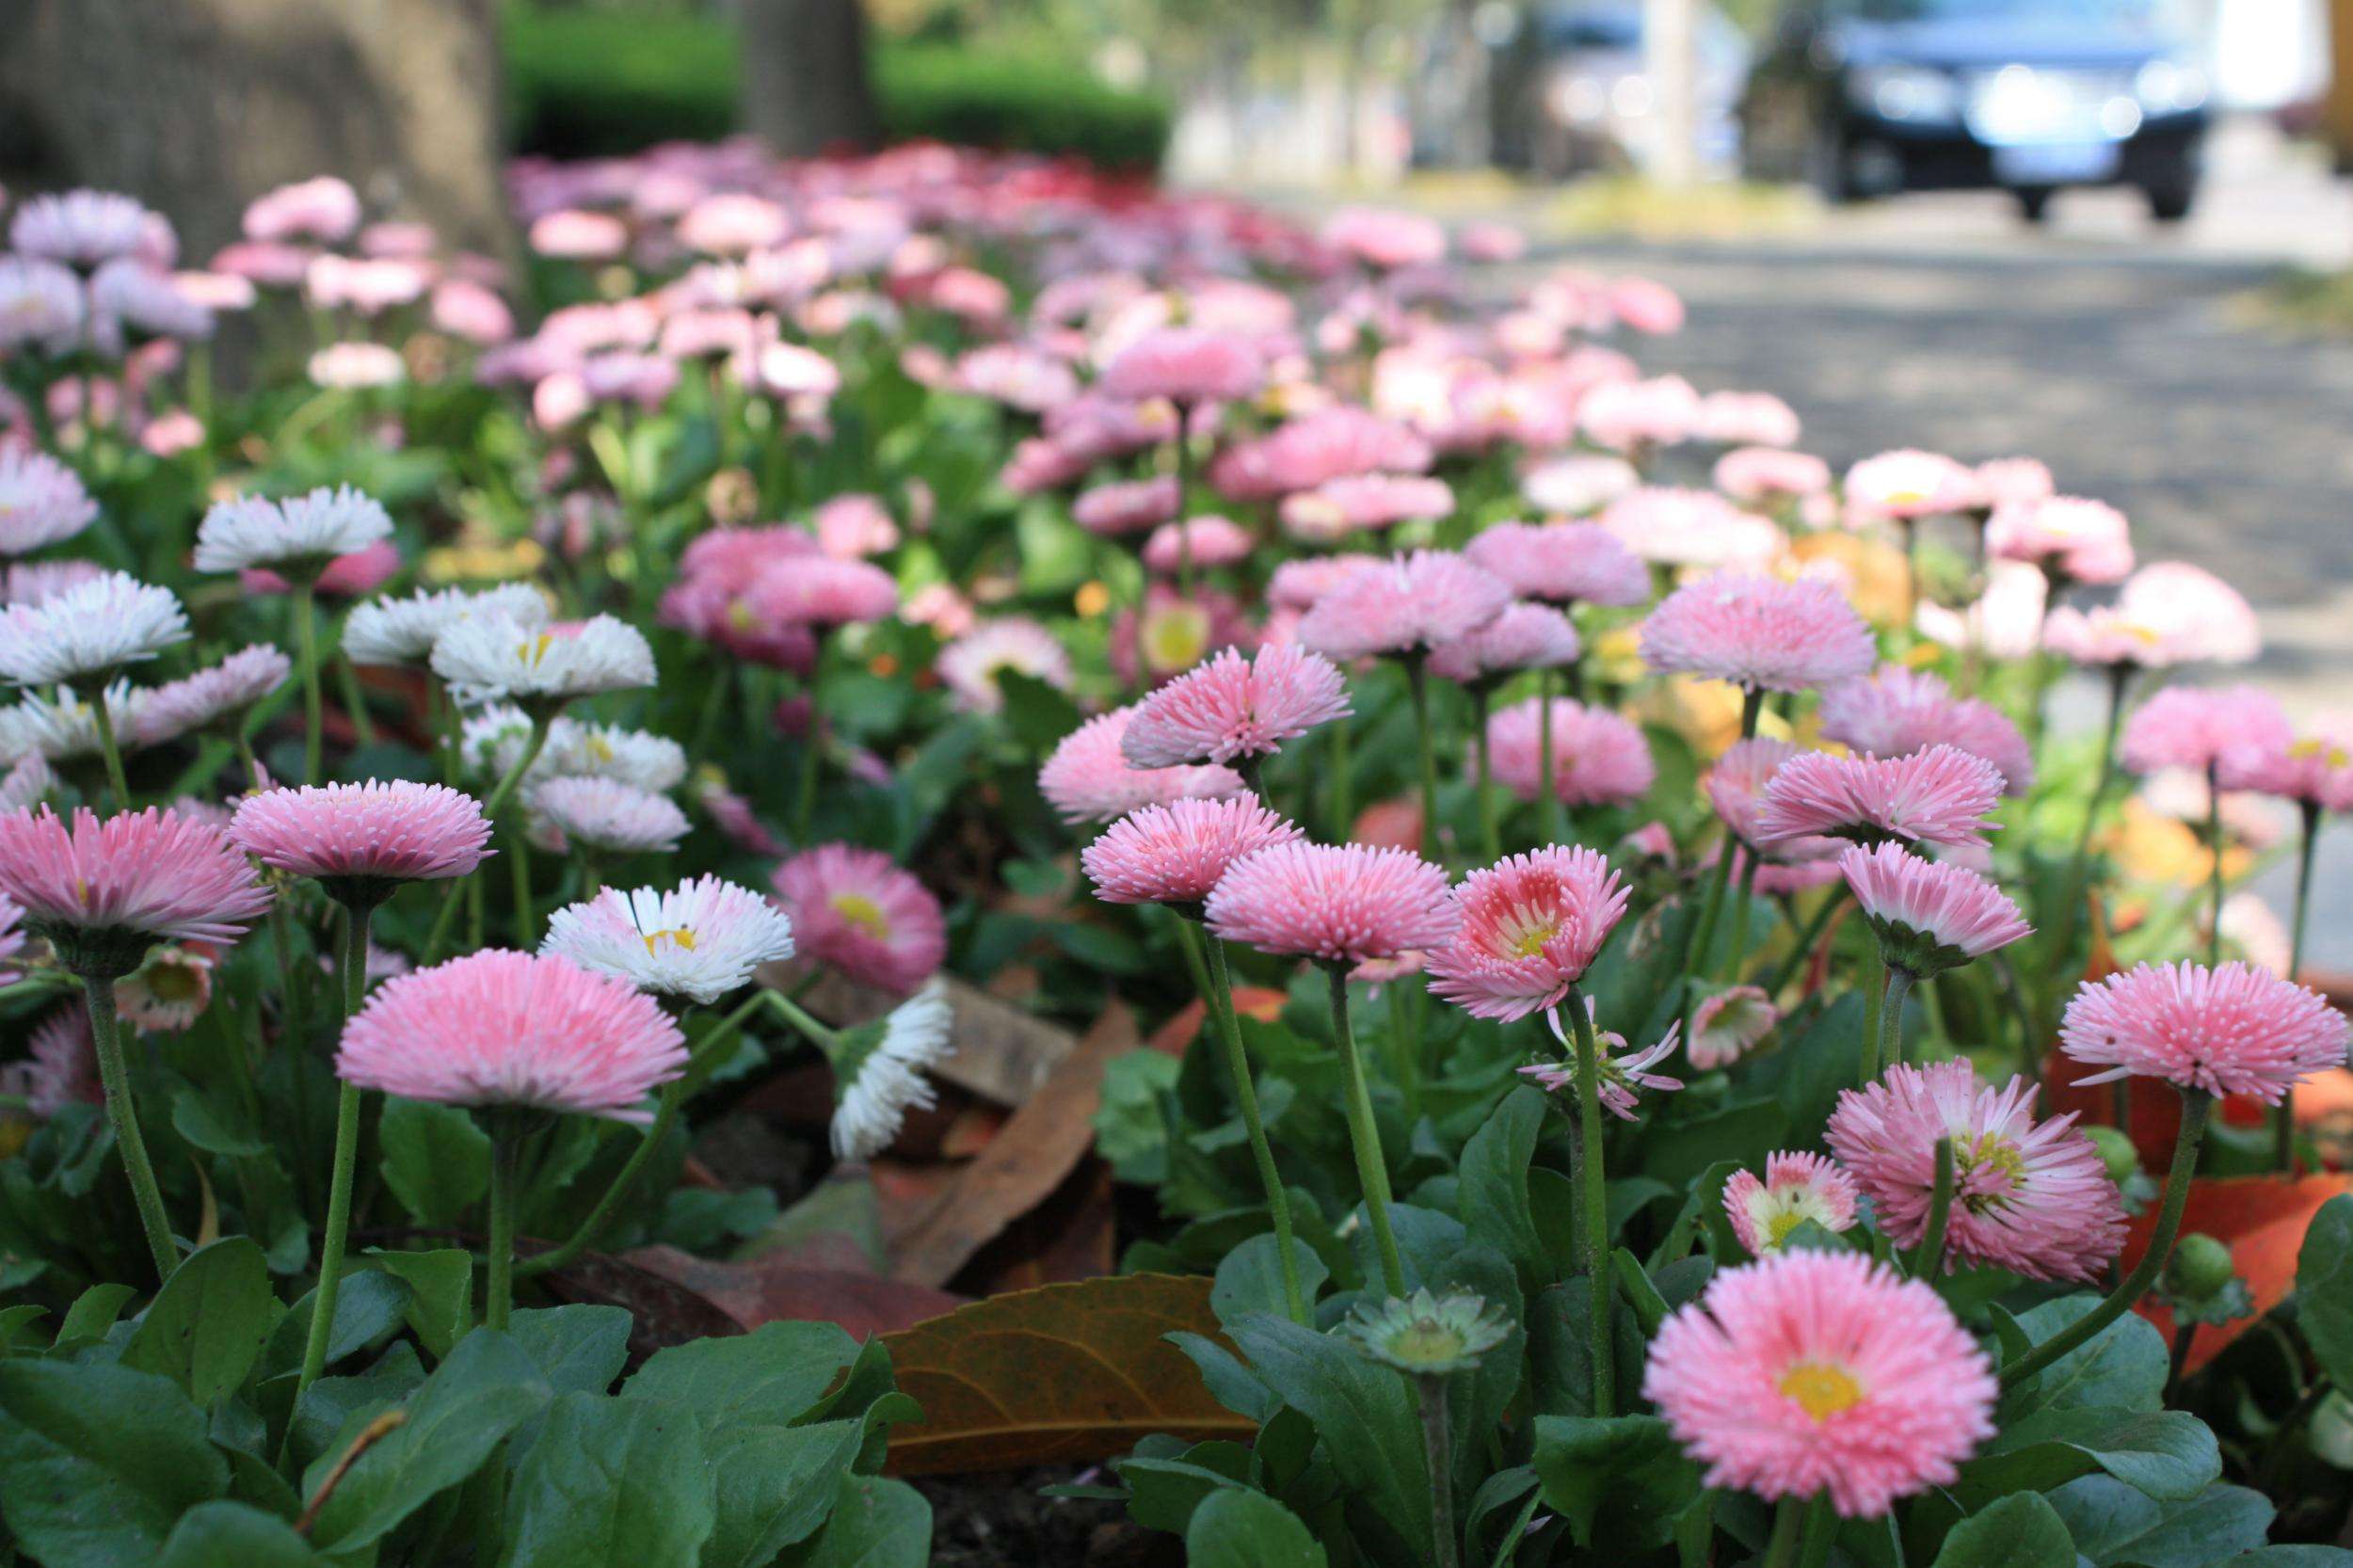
(1866, 98)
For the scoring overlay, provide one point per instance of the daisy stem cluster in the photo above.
(123, 1113)
(352, 974)
(1364, 1134)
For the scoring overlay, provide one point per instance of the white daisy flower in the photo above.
(86, 227)
(486, 657)
(90, 630)
(654, 763)
(228, 688)
(64, 728)
(403, 630)
(701, 940)
(608, 816)
(878, 1071)
(27, 783)
(42, 501)
(303, 531)
(41, 304)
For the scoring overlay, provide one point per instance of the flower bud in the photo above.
(2200, 1267)
(2116, 1152)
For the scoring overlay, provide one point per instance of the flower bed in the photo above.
(931, 817)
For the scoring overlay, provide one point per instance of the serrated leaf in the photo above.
(1062, 1372)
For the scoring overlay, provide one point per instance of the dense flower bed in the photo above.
(1659, 1052)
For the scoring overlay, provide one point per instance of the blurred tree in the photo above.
(805, 87)
(196, 106)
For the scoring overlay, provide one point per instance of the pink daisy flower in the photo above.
(1910, 484)
(2071, 540)
(1339, 507)
(1621, 1075)
(1405, 605)
(2009, 481)
(1531, 926)
(1524, 637)
(1235, 708)
(1598, 757)
(1176, 853)
(1693, 528)
(360, 838)
(823, 591)
(1298, 584)
(1575, 485)
(1627, 416)
(1941, 795)
(1756, 475)
(610, 816)
(1736, 785)
(499, 1028)
(1384, 240)
(1127, 506)
(1730, 1023)
(1900, 711)
(2314, 769)
(1930, 914)
(2191, 613)
(1814, 1371)
(1214, 541)
(1796, 1189)
(62, 1063)
(1759, 633)
(102, 892)
(1089, 779)
(2034, 1199)
(209, 696)
(2228, 1030)
(42, 501)
(2195, 728)
(1340, 904)
(971, 665)
(1315, 448)
(855, 911)
(1185, 364)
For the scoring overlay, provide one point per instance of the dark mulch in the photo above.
(1000, 1521)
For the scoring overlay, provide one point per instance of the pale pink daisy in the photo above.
(298, 536)
(1176, 853)
(2011, 481)
(1899, 710)
(2195, 615)
(700, 940)
(512, 1029)
(1759, 633)
(1752, 419)
(1754, 475)
(2228, 1030)
(855, 911)
(1403, 607)
(1736, 785)
(1126, 505)
(102, 892)
(1235, 708)
(1211, 541)
(1309, 451)
(1679, 527)
(1645, 305)
(1941, 795)
(356, 366)
(1563, 563)
(1341, 903)
(972, 664)
(2032, 1198)
(169, 991)
(823, 591)
(2194, 728)
(349, 836)
(1729, 1024)
(487, 657)
(1810, 1373)
(209, 696)
(1630, 416)
(1930, 914)
(1384, 240)
(1599, 757)
(2315, 768)
(1297, 584)
(1186, 364)
(1524, 637)
(1623, 1072)
(1089, 779)
(1339, 507)
(1796, 1189)
(42, 501)
(62, 1061)
(1575, 485)
(1910, 483)
(2070, 539)
(85, 228)
(1531, 926)
(325, 209)
(850, 527)
(609, 816)
(43, 306)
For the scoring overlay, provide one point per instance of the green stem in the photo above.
(1547, 796)
(519, 876)
(451, 900)
(1821, 1527)
(1183, 444)
(1218, 998)
(1593, 1195)
(1343, 782)
(2214, 880)
(2197, 1106)
(1744, 894)
(1507, 1548)
(98, 992)
(505, 1153)
(1490, 830)
(307, 645)
(352, 971)
(110, 750)
(1929, 1257)
(1417, 685)
(1874, 1003)
(354, 701)
(2079, 865)
(813, 745)
(1372, 1171)
(1781, 1551)
(1437, 1447)
(1891, 1048)
(2283, 1120)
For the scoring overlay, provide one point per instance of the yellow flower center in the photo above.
(532, 649)
(1987, 1151)
(1528, 939)
(175, 983)
(677, 935)
(2329, 755)
(1821, 1390)
(1175, 639)
(862, 912)
(600, 749)
(1785, 1219)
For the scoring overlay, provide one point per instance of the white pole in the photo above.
(1669, 39)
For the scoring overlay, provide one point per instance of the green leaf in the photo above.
(327, 1408)
(1493, 1202)
(2123, 1368)
(2165, 1453)
(1365, 1414)
(2294, 1557)
(2019, 1531)
(207, 1326)
(370, 1305)
(874, 1524)
(91, 1314)
(611, 1480)
(1248, 1530)
(1676, 1153)
(436, 1161)
(485, 1389)
(15, 1320)
(773, 1486)
(1163, 1492)
(98, 1462)
(235, 1535)
(441, 1302)
(2324, 1287)
(1039, 714)
(196, 1119)
(1250, 1278)
(579, 1348)
(2113, 1525)
(771, 1375)
(1623, 1478)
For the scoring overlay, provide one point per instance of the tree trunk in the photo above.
(805, 83)
(197, 107)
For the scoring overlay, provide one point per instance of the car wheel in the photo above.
(2034, 202)
(2170, 201)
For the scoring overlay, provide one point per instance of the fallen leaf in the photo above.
(974, 1127)
(1262, 1003)
(775, 1288)
(1037, 1148)
(1002, 1054)
(1069, 1237)
(1063, 1373)
(662, 1311)
(2263, 1220)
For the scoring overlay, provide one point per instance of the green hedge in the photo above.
(582, 83)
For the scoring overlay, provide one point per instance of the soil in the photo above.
(1000, 1521)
